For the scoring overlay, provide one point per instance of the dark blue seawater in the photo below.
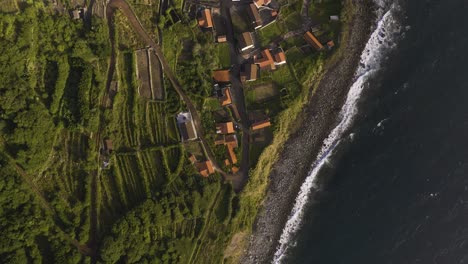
(398, 191)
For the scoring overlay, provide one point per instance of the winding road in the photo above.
(140, 31)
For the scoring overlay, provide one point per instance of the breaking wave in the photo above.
(382, 40)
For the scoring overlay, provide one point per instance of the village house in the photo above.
(261, 124)
(231, 143)
(249, 73)
(254, 16)
(246, 41)
(313, 41)
(259, 3)
(330, 44)
(280, 58)
(205, 21)
(226, 98)
(225, 128)
(231, 154)
(186, 126)
(265, 60)
(221, 76)
(205, 168)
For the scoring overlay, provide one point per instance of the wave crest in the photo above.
(382, 40)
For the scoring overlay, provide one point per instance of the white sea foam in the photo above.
(382, 40)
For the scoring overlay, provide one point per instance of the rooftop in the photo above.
(225, 128)
(250, 72)
(313, 41)
(246, 42)
(265, 60)
(255, 16)
(221, 76)
(186, 126)
(205, 21)
(280, 58)
(226, 100)
(261, 124)
(205, 168)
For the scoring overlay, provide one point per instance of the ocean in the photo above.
(390, 184)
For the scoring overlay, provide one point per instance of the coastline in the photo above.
(317, 119)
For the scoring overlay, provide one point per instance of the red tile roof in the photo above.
(261, 124)
(313, 41)
(206, 20)
(205, 168)
(225, 128)
(221, 76)
(227, 100)
(266, 60)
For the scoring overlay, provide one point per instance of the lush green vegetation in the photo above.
(64, 199)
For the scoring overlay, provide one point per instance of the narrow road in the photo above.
(239, 179)
(94, 207)
(140, 31)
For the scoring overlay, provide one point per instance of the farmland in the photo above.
(90, 179)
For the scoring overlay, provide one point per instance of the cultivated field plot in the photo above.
(161, 127)
(157, 84)
(263, 92)
(149, 74)
(8, 6)
(142, 72)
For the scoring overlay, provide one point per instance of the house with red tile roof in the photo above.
(205, 168)
(265, 60)
(205, 21)
(225, 128)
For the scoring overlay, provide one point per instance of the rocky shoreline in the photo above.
(318, 118)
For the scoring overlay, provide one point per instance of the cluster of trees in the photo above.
(27, 231)
(52, 71)
(52, 79)
(162, 228)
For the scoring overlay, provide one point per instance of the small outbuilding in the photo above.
(261, 124)
(205, 21)
(313, 41)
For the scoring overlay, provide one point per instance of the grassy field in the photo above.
(8, 6)
(224, 55)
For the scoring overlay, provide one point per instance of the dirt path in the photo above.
(94, 207)
(140, 31)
